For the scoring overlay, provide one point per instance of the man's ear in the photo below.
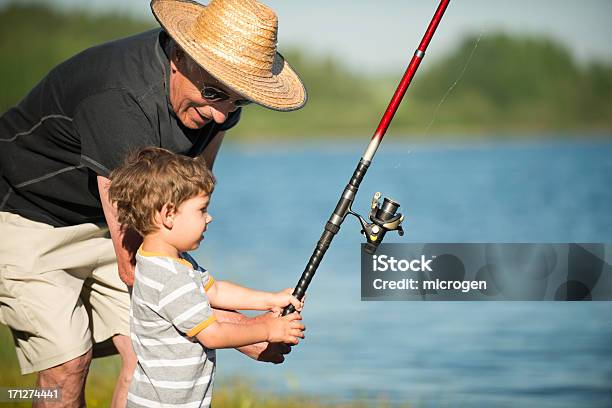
(178, 53)
(167, 215)
(176, 58)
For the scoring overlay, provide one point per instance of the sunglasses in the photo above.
(212, 94)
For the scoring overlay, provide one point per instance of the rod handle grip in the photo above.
(288, 310)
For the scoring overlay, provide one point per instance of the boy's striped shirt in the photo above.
(169, 307)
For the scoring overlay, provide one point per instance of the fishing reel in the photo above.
(384, 219)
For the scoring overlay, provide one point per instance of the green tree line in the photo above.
(512, 84)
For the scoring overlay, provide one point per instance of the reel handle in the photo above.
(384, 219)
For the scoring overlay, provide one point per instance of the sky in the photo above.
(377, 36)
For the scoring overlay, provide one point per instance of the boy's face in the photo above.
(190, 221)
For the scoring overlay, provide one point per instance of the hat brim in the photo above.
(282, 90)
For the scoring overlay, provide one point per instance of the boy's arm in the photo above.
(264, 351)
(227, 295)
(184, 304)
(216, 335)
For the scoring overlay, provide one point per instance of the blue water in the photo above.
(269, 210)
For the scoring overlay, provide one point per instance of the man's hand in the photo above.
(273, 352)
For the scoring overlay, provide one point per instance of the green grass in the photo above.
(230, 392)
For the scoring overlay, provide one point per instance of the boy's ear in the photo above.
(167, 215)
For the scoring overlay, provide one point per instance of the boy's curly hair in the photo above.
(152, 177)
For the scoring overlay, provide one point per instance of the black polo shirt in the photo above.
(81, 120)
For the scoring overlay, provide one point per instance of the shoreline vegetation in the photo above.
(230, 392)
(513, 85)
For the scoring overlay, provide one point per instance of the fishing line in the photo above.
(450, 89)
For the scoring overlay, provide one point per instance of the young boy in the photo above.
(165, 196)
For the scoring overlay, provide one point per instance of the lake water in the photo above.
(269, 209)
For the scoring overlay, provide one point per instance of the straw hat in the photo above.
(235, 41)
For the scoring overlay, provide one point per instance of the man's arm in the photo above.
(211, 151)
(126, 243)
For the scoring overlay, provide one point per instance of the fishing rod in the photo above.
(384, 218)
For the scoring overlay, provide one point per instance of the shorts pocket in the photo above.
(13, 310)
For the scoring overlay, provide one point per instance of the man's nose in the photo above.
(220, 111)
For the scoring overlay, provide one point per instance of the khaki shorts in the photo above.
(60, 292)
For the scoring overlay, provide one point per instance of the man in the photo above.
(179, 88)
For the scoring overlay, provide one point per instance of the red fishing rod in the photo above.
(384, 217)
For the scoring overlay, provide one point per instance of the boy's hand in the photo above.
(286, 329)
(279, 300)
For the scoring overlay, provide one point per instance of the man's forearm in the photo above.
(125, 243)
(211, 151)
